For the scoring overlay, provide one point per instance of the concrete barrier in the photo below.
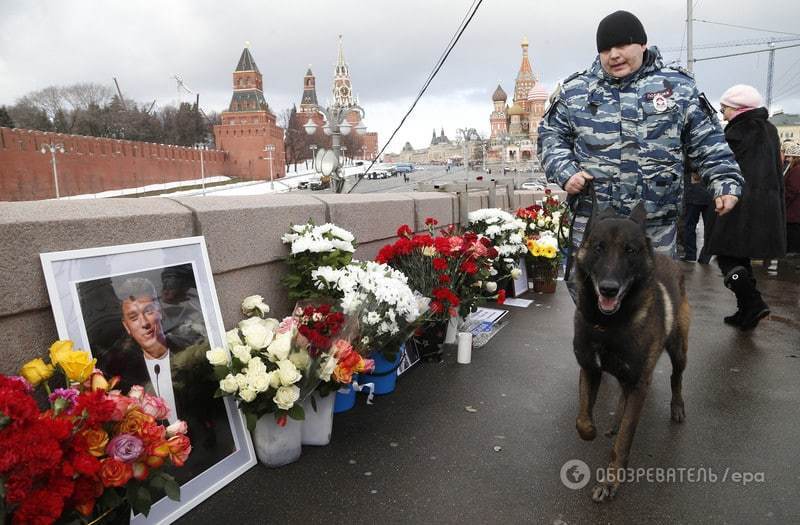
(243, 235)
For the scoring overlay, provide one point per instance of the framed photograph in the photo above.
(149, 312)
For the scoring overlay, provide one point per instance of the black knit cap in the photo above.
(618, 29)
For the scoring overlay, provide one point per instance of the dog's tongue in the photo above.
(607, 304)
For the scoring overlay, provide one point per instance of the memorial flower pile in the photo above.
(378, 300)
(89, 450)
(507, 234)
(311, 247)
(452, 271)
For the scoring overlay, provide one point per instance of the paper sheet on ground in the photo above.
(522, 303)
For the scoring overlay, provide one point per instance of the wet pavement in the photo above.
(486, 442)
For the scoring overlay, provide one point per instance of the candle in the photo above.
(464, 348)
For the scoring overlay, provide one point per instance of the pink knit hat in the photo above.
(742, 96)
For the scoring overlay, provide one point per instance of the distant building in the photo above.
(788, 126)
(249, 125)
(343, 96)
(514, 128)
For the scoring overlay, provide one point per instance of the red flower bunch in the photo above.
(318, 324)
(58, 462)
(449, 268)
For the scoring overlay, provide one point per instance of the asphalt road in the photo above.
(420, 455)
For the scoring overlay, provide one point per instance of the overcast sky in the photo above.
(391, 47)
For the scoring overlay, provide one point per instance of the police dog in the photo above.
(631, 306)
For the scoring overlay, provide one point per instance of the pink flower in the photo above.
(136, 392)
(286, 325)
(178, 427)
(154, 406)
(126, 448)
(121, 404)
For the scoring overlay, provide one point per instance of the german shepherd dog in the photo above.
(631, 305)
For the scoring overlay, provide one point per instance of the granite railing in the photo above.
(243, 236)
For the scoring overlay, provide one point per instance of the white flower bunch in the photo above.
(375, 294)
(506, 231)
(259, 359)
(319, 239)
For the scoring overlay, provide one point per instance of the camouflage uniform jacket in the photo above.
(631, 135)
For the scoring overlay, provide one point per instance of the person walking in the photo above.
(756, 228)
(624, 125)
(696, 204)
(792, 185)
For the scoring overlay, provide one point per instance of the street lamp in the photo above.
(52, 148)
(313, 149)
(336, 125)
(344, 154)
(202, 147)
(269, 148)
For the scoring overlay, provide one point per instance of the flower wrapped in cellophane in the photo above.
(379, 301)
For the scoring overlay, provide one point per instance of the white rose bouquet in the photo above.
(313, 246)
(264, 365)
(379, 299)
(507, 234)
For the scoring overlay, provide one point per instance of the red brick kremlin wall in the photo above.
(93, 165)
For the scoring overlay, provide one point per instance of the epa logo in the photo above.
(575, 474)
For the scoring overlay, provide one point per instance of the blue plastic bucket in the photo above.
(385, 374)
(345, 398)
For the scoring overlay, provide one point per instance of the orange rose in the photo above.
(179, 449)
(115, 473)
(96, 441)
(343, 375)
(134, 421)
(152, 433)
(156, 454)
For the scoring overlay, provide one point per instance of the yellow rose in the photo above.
(77, 365)
(36, 370)
(58, 350)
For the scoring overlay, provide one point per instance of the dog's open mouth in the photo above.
(608, 305)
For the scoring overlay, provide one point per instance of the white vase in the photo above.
(275, 445)
(452, 330)
(318, 424)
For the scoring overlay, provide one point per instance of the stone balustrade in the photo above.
(243, 236)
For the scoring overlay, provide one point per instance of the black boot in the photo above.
(752, 307)
(735, 319)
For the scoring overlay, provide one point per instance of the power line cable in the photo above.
(453, 41)
(744, 27)
(733, 43)
(744, 53)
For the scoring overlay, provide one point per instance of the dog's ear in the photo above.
(606, 213)
(639, 214)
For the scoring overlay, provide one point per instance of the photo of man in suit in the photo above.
(170, 364)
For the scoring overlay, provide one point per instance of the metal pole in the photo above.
(202, 171)
(271, 180)
(770, 71)
(55, 170)
(689, 37)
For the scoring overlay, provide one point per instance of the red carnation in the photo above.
(430, 221)
(385, 254)
(444, 278)
(404, 231)
(403, 246)
(439, 264)
(469, 267)
(501, 297)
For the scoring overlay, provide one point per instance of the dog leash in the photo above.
(574, 202)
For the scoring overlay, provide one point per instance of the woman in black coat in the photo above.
(756, 227)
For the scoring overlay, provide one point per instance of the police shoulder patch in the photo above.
(680, 69)
(707, 106)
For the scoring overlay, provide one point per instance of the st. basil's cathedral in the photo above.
(514, 128)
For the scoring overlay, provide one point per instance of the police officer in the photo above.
(625, 124)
